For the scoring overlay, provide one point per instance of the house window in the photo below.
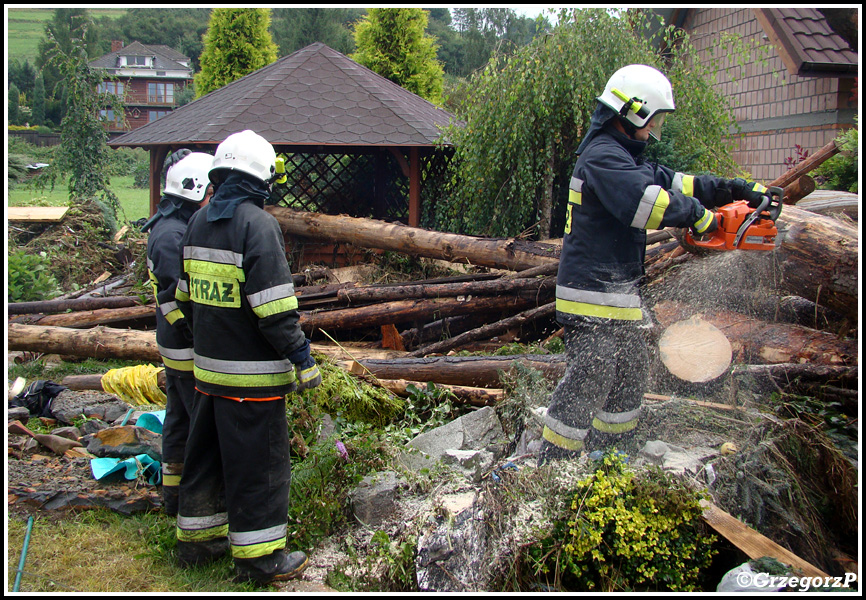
(111, 87)
(136, 61)
(108, 115)
(160, 93)
(153, 115)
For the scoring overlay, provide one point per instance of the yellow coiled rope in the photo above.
(135, 385)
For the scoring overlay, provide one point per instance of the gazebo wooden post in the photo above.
(157, 158)
(414, 187)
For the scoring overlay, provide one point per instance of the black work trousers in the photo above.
(180, 399)
(236, 472)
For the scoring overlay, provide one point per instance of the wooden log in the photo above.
(475, 396)
(819, 259)
(487, 331)
(422, 290)
(798, 189)
(759, 342)
(101, 316)
(805, 166)
(473, 371)
(694, 350)
(56, 306)
(98, 342)
(402, 311)
(509, 254)
(752, 543)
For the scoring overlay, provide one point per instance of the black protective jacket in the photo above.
(614, 197)
(236, 291)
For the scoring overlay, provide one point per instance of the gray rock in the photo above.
(72, 433)
(18, 413)
(374, 500)
(478, 430)
(124, 442)
(69, 405)
(93, 425)
(472, 463)
(654, 451)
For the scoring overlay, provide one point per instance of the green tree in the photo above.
(38, 102)
(296, 28)
(83, 153)
(393, 43)
(237, 43)
(14, 93)
(525, 115)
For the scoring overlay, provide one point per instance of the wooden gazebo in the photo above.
(354, 142)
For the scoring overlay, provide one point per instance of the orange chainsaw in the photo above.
(742, 227)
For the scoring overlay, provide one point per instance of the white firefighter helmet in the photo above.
(639, 93)
(248, 152)
(188, 178)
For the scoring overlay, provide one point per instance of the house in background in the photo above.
(800, 89)
(149, 78)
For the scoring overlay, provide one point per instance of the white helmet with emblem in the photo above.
(248, 152)
(188, 178)
(639, 93)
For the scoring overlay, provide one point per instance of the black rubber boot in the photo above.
(550, 452)
(278, 566)
(190, 554)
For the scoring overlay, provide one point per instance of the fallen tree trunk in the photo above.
(515, 255)
(819, 258)
(422, 290)
(487, 331)
(98, 342)
(799, 189)
(758, 342)
(402, 311)
(57, 306)
(91, 318)
(805, 166)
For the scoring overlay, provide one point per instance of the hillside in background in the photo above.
(26, 26)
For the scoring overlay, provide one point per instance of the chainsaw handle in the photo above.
(774, 197)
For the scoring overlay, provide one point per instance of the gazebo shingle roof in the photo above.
(315, 96)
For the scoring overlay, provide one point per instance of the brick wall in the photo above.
(776, 110)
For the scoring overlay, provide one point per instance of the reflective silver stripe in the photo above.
(601, 298)
(648, 205)
(677, 183)
(572, 433)
(149, 264)
(248, 538)
(278, 292)
(576, 184)
(195, 523)
(168, 307)
(243, 367)
(175, 353)
(183, 286)
(225, 257)
(616, 418)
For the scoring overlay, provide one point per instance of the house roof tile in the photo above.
(166, 58)
(290, 101)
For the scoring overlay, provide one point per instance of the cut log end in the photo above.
(694, 350)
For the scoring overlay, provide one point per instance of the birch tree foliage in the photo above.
(526, 113)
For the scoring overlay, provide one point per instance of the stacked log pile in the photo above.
(805, 321)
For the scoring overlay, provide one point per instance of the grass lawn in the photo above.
(134, 202)
(26, 27)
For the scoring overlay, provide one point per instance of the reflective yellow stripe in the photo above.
(276, 307)
(689, 185)
(759, 188)
(575, 197)
(203, 267)
(658, 211)
(613, 427)
(704, 222)
(178, 365)
(174, 316)
(202, 535)
(598, 310)
(558, 440)
(170, 480)
(245, 381)
(256, 550)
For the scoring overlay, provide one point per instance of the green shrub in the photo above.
(625, 531)
(29, 278)
(841, 171)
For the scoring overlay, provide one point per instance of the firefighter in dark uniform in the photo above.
(236, 291)
(186, 190)
(614, 197)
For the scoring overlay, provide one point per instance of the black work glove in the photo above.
(308, 374)
(750, 191)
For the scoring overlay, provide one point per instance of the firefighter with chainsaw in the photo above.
(614, 197)
(236, 291)
(186, 190)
